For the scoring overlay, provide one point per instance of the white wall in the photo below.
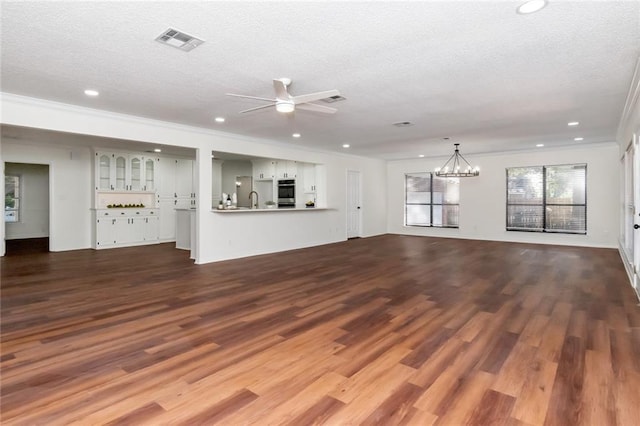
(70, 189)
(34, 201)
(215, 231)
(483, 198)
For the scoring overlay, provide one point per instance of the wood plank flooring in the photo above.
(389, 330)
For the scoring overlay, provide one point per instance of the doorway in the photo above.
(26, 210)
(354, 211)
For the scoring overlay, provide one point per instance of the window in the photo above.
(11, 198)
(547, 199)
(431, 201)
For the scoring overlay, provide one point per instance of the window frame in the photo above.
(544, 201)
(431, 204)
(17, 197)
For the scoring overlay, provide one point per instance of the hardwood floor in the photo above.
(385, 330)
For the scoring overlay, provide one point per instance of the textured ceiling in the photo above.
(476, 72)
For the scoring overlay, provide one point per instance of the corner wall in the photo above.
(483, 198)
(70, 188)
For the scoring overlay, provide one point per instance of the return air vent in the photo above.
(332, 99)
(179, 40)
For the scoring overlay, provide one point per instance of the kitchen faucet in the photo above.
(251, 198)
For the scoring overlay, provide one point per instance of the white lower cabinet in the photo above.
(125, 227)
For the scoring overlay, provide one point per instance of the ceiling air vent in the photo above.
(403, 124)
(332, 99)
(179, 40)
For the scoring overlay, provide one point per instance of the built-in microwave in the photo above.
(286, 193)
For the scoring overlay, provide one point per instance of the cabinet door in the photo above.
(286, 169)
(166, 179)
(121, 178)
(167, 219)
(136, 177)
(150, 174)
(105, 172)
(184, 179)
(263, 170)
(122, 230)
(137, 228)
(105, 232)
(151, 228)
(309, 178)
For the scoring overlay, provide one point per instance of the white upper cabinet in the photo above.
(135, 173)
(286, 169)
(150, 173)
(176, 178)
(263, 169)
(121, 172)
(105, 171)
(184, 179)
(124, 172)
(309, 178)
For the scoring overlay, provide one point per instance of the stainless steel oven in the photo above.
(286, 193)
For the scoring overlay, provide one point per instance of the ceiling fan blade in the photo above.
(314, 96)
(251, 97)
(317, 108)
(281, 90)
(257, 108)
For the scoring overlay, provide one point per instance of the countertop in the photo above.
(248, 210)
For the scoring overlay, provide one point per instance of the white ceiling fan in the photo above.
(284, 102)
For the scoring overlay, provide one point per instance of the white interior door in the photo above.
(633, 207)
(354, 211)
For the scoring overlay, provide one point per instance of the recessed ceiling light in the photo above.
(531, 6)
(91, 92)
(296, 135)
(219, 119)
(157, 150)
(540, 145)
(421, 155)
(573, 123)
(578, 139)
(346, 145)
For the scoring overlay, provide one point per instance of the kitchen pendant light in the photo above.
(454, 166)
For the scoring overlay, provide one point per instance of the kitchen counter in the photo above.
(248, 210)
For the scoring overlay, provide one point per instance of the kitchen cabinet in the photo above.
(176, 189)
(124, 172)
(177, 178)
(125, 227)
(167, 219)
(263, 169)
(309, 178)
(286, 169)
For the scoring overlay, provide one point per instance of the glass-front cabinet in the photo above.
(149, 174)
(135, 167)
(104, 168)
(121, 173)
(124, 172)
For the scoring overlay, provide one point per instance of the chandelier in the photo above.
(454, 167)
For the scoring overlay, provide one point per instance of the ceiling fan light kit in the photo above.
(455, 166)
(284, 102)
(283, 106)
